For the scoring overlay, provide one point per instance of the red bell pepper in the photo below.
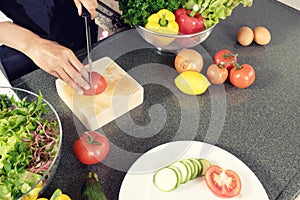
(189, 21)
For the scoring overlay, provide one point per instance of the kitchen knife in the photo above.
(87, 20)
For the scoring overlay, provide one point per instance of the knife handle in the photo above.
(85, 12)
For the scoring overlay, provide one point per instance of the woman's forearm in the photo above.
(17, 37)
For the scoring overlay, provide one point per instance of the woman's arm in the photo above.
(53, 58)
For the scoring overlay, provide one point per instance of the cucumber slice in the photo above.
(166, 179)
(194, 170)
(183, 169)
(189, 170)
(205, 164)
(178, 172)
(198, 165)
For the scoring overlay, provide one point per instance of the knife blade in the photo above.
(87, 19)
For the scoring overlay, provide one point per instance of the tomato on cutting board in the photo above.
(223, 183)
(97, 86)
(91, 147)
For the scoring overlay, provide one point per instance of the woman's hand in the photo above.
(60, 62)
(90, 5)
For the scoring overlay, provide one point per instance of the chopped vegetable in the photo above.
(172, 176)
(28, 144)
(224, 183)
(92, 189)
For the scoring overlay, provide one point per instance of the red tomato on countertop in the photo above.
(91, 147)
(226, 58)
(242, 76)
(223, 183)
(216, 74)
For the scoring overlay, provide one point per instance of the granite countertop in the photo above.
(259, 125)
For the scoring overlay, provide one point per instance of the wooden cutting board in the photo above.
(122, 94)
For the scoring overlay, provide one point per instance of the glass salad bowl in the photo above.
(173, 43)
(30, 143)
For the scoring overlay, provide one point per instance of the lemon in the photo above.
(192, 83)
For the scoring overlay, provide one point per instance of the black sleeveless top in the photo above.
(56, 20)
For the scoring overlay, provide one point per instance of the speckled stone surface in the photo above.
(259, 125)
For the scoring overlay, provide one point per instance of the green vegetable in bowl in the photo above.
(28, 144)
(213, 10)
(136, 12)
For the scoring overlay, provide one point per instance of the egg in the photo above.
(262, 35)
(245, 36)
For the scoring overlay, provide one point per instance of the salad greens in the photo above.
(136, 12)
(28, 144)
(213, 10)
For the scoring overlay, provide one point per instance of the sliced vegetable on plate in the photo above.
(223, 183)
(172, 176)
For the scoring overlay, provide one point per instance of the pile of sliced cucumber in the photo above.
(170, 177)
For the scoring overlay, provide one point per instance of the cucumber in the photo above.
(190, 167)
(198, 165)
(166, 179)
(206, 164)
(91, 189)
(178, 172)
(170, 177)
(183, 170)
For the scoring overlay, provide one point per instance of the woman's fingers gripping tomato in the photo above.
(223, 183)
(217, 74)
(242, 76)
(91, 147)
(225, 58)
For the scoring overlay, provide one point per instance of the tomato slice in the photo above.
(223, 183)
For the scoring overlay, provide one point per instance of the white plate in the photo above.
(138, 182)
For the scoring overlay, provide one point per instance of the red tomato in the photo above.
(217, 74)
(225, 58)
(243, 76)
(223, 183)
(91, 147)
(98, 85)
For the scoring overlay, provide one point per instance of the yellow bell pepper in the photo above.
(33, 194)
(163, 22)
